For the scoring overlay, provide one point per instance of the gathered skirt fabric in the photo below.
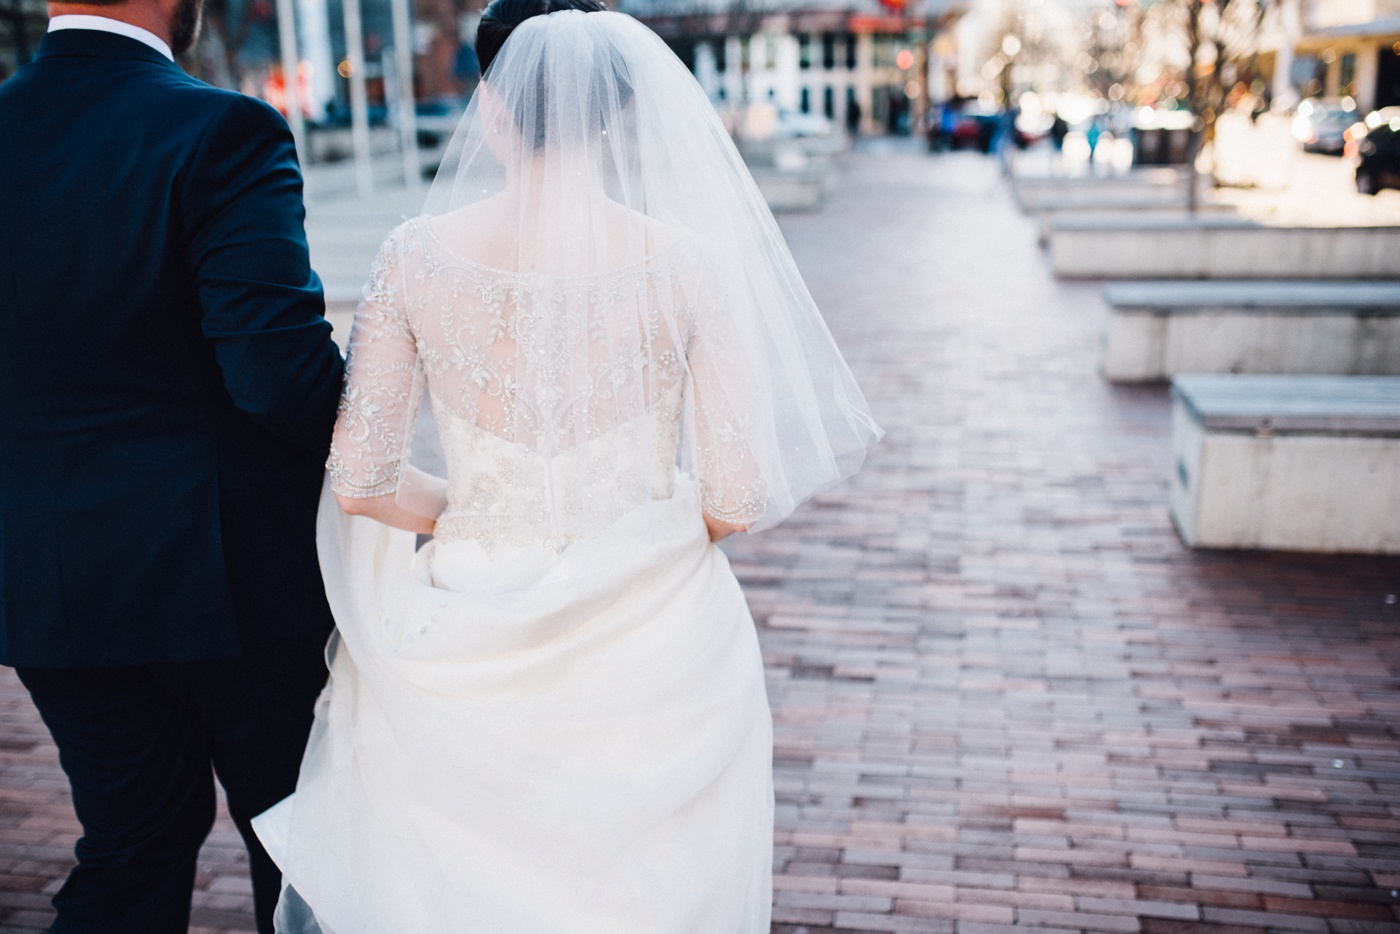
(520, 743)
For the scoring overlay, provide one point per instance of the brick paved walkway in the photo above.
(1005, 694)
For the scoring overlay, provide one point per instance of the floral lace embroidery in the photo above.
(558, 401)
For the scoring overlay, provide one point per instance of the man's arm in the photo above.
(261, 305)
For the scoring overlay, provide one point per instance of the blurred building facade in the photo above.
(22, 25)
(239, 49)
(1350, 48)
(861, 63)
(436, 38)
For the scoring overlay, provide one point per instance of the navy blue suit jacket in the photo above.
(168, 382)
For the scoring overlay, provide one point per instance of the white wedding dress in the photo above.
(552, 718)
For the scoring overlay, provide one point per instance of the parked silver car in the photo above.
(1321, 125)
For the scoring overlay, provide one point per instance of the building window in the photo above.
(828, 50)
(721, 55)
(806, 104)
(851, 41)
(1346, 84)
(1309, 75)
(22, 27)
(804, 50)
(1388, 77)
(884, 46)
(829, 102)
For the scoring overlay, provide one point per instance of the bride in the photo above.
(588, 359)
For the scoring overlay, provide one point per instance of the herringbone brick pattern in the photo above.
(1004, 693)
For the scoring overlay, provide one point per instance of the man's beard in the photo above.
(184, 25)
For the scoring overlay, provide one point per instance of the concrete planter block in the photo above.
(1298, 463)
(802, 190)
(1157, 187)
(1218, 247)
(1048, 213)
(1103, 197)
(795, 174)
(1155, 330)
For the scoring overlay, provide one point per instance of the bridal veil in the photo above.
(589, 151)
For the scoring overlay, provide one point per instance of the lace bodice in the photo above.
(503, 491)
(560, 403)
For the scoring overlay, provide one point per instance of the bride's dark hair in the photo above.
(502, 16)
(529, 110)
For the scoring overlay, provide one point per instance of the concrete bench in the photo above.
(1210, 246)
(793, 190)
(1139, 188)
(1301, 463)
(1050, 211)
(1159, 329)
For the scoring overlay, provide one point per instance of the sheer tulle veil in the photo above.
(587, 151)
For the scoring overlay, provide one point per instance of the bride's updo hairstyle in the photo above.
(502, 16)
(530, 110)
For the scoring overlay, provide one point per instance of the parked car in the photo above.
(792, 125)
(973, 130)
(1378, 156)
(338, 115)
(976, 128)
(1358, 130)
(1321, 125)
(436, 120)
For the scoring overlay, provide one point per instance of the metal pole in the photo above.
(291, 73)
(20, 29)
(1285, 95)
(359, 103)
(403, 64)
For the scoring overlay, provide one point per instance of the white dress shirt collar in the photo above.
(104, 24)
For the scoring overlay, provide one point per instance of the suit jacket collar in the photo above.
(92, 43)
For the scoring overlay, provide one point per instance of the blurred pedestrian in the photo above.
(1059, 129)
(853, 116)
(1004, 137)
(949, 116)
(1092, 135)
(895, 114)
(1259, 102)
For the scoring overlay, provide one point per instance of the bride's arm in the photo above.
(368, 465)
(731, 484)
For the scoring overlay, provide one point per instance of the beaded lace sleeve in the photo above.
(376, 407)
(731, 482)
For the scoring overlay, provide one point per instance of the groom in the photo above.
(167, 390)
